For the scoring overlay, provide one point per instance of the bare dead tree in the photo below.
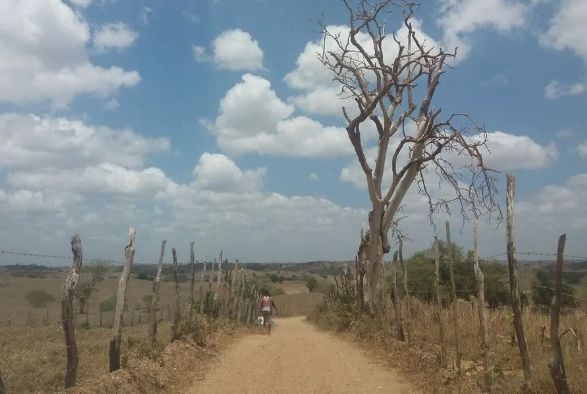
(153, 322)
(129, 253)
(392, 81)
(557, 364)
(514, 285)
(67, 316)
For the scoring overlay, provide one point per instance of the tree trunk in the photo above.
(153, 322)
(439, 303)
(114, 352)
(481, 306)
(374, 260)
(453, 296)
(406, 293)
(176, 312)
(514, 288)
(67, 316)
(557, 364)
(397, 302)
(193, 284)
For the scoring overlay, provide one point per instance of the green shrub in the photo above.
(108, 305)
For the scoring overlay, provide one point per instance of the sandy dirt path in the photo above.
(297, 358)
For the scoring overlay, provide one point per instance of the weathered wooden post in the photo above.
(129, 253)
(453, 296)
(219, 276)
(202, 284)
(396, 300)
(153, 322)
(557, 364)
(481, 306)
(193, 283)
(514, 285)
(211, 276)
(439, 303)
(67, 314)
(176, 312)
(409, 326)
(239, 298)
(2, 387)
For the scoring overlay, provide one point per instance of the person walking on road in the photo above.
(267, 305)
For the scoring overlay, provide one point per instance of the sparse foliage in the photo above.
(389, 81)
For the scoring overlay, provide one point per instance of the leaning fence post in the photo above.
(219, 276)
(193, 284)
(406, 293)
(453, 296)
(397, 301)
(481, 306)
(557, 364)
(176, 312)
(67, 315)
(153, 322)
(129, 253)
(439, 303)
(514, 288)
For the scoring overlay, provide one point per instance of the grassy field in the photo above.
(420, 362)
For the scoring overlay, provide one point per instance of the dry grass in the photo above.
(15, 308)
(297, 304)
(33, 359)
(294, 287)
(421, 362)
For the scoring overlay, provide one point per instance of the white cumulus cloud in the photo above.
(44, 58)
(114, 36)
(253, 119)
(236, 50)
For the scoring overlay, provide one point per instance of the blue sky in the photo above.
(211, 121)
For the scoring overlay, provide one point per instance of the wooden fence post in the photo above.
(153, 322)
(193, 284)
(67, 314)
(397, 301)
(453, 296)
(557, 364)
(514, 288)
(129, 253)
(176, 312)
(219, 276)
(211, 276)
(409, 326)
(481, 306)
(439, 303)
(2, 387)
(202, 284)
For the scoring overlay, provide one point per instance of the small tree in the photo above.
(391, 81)
(311, 283)
(543, 290)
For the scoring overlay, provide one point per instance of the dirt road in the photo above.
(297, 358)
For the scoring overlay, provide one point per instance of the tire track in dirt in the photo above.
(297, 358)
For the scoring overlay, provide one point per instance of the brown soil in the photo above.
(297, 358)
